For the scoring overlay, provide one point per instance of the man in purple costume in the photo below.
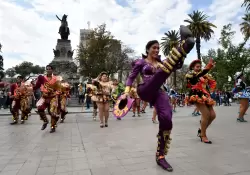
(154, 73)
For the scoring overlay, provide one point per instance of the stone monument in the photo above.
(63, 54)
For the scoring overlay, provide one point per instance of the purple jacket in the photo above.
(146, 70)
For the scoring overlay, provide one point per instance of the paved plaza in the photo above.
(127, 147)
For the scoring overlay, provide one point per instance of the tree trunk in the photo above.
(175, 77)
(198, 47)
(120, 73)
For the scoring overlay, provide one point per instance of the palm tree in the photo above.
(245, 26)
(170, 40)
(246, 4)
(201, 28)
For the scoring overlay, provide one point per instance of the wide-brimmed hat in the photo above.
(122, 107)
(193, 63)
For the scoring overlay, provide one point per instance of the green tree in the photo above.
(170, 40)
(181, 78)
(25, 68)
(246, 4)
(1, 64)
(230, 59)
(10, 72)
(200, 27)
(102, 53)
(36, 69)
(245, 26)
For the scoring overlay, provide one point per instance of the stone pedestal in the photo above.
(63, 60)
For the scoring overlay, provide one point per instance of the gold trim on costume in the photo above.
(163, 68)
(127, 89)
(176, 52)
(182, 49)
(174, 57)
(189, 76)
(169, 65)
(173, 62)
(166, 135)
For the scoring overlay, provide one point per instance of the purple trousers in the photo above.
(150, 91)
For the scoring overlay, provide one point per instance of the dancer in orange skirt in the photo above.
(201, 84)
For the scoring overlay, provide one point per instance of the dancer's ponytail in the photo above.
(144, 56)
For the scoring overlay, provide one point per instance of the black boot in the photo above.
(162, 150)
(23, 115)
(63, 115)
(44, 126)
(176, 56)
(14, 122)
(53, 129)
(62, 120)
(15, 117)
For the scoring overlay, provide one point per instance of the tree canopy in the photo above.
(103, 52)
(24, 69)
(230, 58)
(200, 27)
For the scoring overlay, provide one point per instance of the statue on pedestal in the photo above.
(56, 53)
(63, 54)
(70, 54)
(64, 29)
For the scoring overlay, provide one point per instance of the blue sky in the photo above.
(31, 28)
(23, 3)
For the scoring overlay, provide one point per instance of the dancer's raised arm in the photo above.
(136, 69)
(194, 74)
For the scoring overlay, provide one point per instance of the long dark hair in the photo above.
(148, 45)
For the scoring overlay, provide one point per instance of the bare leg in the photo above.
(106, 113)
(138, 102)
(244, 104)
(174, 103)
(94, 110)
(144, 106)
(134, 108)
(154, 117)
(100, 106)
(212, 115)
(205, 116)
(195, 112)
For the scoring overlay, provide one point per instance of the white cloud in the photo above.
(28, 31)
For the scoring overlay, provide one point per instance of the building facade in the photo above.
(84, 36)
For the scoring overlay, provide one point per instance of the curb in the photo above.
(84, 112)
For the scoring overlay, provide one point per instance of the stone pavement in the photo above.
(127, 147)
(70, 110)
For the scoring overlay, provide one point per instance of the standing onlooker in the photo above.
(218, 102)
(88, 97)
(228, 96)
(2, 97)
(81, 91)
